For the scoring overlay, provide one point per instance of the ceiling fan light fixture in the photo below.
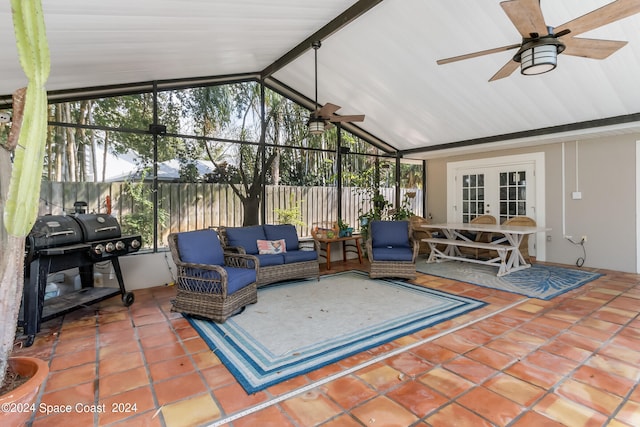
(539, 55)
(539, 59)
(316, 126)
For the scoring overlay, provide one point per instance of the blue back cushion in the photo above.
(389, 234)
(247, 237)
(200, 247)
(287, 232)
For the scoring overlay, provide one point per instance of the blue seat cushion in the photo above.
(246, 237)
(393, 234)
(200, 247)
(237, 278)
(287, 232)
(392, 254)
(270, 259)
(299, 256)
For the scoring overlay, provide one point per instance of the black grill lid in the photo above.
(54, 230)
(51, 231)
(98, 226)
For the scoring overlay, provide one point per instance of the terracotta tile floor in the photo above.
(572, 361)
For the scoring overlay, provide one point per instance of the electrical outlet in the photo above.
(584, 238)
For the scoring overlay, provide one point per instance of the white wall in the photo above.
(141, 270)
(603, 170)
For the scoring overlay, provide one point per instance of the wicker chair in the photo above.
(479, 237)
(210, 283)
(391, 249)
(524, 245)
(419, 233)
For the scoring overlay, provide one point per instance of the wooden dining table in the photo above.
(505, 242)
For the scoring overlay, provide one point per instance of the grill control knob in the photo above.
(120, 245)
(110, 247)
(99, 249)
(135, 243)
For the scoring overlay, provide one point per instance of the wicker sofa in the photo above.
(291, 263)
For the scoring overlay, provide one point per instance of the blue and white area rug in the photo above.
(299, 326)
(539, 281)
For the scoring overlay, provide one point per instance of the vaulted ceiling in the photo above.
(377, 58)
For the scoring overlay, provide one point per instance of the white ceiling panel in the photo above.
(96, 42)
(383, 64)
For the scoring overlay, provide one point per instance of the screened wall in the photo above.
(237, 153)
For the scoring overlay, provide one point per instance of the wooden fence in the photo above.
(191, 206)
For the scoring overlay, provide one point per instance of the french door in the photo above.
(503, 187)
(503, 192)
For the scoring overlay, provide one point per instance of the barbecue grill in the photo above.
(62, 242)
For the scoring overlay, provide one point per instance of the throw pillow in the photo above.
(271, 246)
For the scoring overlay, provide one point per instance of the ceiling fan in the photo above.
(541, 43)
(321, 118)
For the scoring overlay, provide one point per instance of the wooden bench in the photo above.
(451, 252)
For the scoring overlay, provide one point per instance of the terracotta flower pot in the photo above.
(17, 406)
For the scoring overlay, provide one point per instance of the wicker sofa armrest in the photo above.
(241, 260)
(194, 277)
(235, 250)
(415, 246)
(369, 248)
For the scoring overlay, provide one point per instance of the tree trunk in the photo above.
(251, 207)
(72, 159)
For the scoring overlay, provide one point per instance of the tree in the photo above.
(211, 107)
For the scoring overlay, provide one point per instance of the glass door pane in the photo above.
(513, 194)
(472, 196)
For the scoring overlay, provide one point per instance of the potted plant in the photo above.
(377, 211)
(404, 211)
(20, 182)
(345, 230)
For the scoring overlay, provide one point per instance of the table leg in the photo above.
(516, 259)
(357, 239)
(344, 251)
(328, 255)
(451, 250)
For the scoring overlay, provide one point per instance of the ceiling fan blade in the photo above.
(527, 17)
(327, 110)
(476, 54)
(591, 48)
(506, 70)
(607, 14)
(352, 118)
